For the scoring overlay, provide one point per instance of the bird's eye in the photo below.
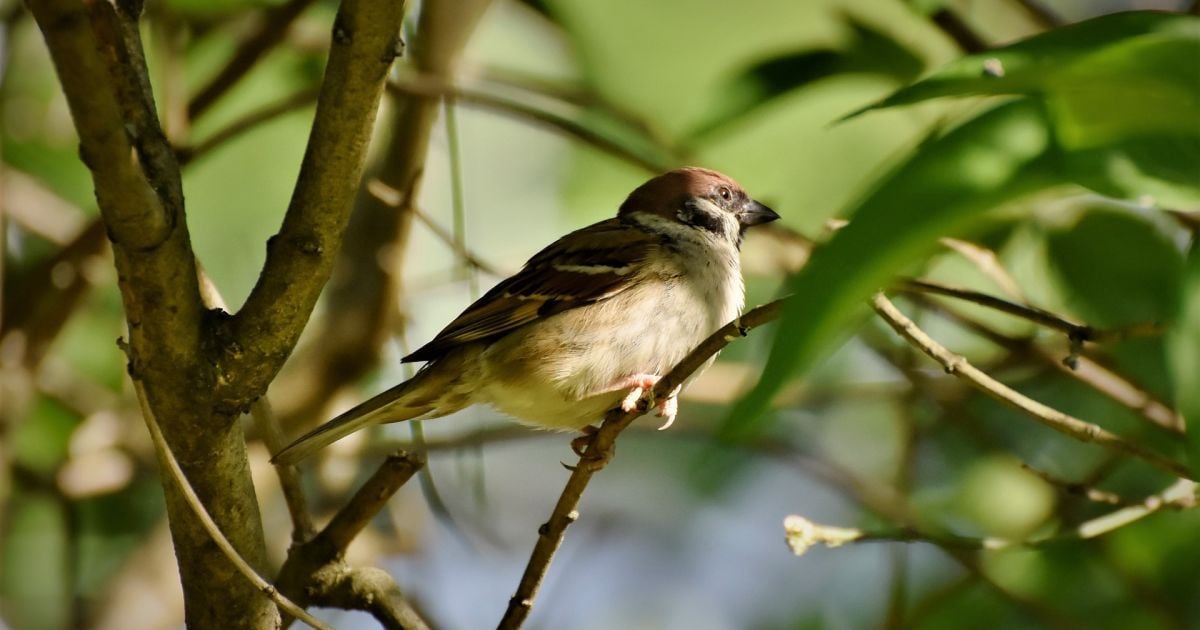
(725, 194)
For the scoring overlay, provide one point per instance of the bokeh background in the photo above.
(670, 536)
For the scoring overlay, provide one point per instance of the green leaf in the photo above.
(869, 51)
(944, 188)
(1122, 93)
(1117, 268)
(1183, 350)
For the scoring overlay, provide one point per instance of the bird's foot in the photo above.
(642, 384)
(667, 408)
(579, 445)
(592, 460)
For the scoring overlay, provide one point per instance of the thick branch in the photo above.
(175, 472)
(97, 52)
(1048, 416)
(366, 38)
(98, 56)
(600, 449)
(368, 589)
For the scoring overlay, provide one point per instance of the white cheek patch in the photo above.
(709, 206)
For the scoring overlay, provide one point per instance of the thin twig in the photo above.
(395, 199)
(176, 474)
(245, 123)
(289, 475)
(581, 96)
(271, 30)
(1077, 489)
(1041, 14)
(1104, 380)
(393, 473)
(952, 24)
(1077, 366)
(988, 263)
(1044, 414)
(1075, 331)
(315, 571)
(432, 87)
(600, 449)
(803, 534)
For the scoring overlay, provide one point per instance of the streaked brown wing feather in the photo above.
(554, 280)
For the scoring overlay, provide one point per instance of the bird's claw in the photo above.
(668, 409)
(579, 445)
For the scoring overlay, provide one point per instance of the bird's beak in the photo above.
(756, 213)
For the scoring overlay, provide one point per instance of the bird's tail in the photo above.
(402, 402)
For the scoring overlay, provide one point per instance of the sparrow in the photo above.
(589, 323)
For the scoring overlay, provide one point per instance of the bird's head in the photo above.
(699, 199)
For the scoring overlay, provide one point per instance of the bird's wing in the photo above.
(583, 267)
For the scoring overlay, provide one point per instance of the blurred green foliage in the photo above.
(1062, 158)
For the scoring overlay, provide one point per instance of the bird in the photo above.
(591, 322)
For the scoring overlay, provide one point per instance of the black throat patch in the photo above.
(696, 215)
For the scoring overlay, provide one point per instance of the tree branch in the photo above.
(393, 199)
(1075, 332)
(97, 51)
(178, 477)
(366, 38)
(315, 571)
(303, 98)
(51, 292)
(368, 589)
(1108, 383)
(366, 287)
(957, 29)
(600, 449)
(803, 534)
(435, 86)
(1048, 416)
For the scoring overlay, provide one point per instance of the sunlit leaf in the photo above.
(1122, 93)
(943, 188)
(868, 52)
